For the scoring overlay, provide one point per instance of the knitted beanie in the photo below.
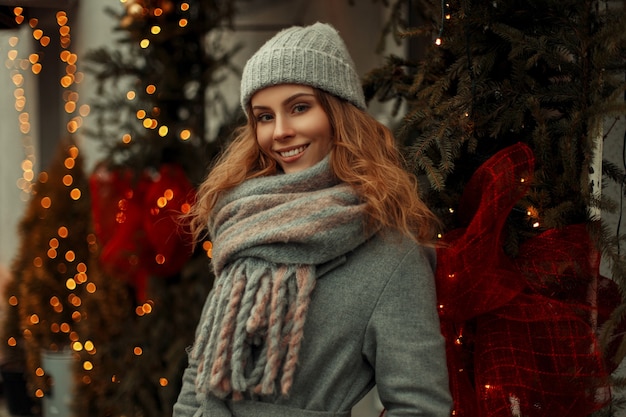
(311, 55)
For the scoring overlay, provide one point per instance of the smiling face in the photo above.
(291, 126)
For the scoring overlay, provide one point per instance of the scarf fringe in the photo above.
(265, 309)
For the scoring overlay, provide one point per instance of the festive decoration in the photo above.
(136, 222)
(521, 332)
(151, 116)
(21, 68)
(532, 329)
(54, 272)
(157, 117)
(163, 107)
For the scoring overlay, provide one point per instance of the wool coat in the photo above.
(372, 320)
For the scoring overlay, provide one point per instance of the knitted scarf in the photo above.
(269, 235)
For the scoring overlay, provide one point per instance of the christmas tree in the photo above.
(156, 99)
(503, 117)
(55, 273)
(158, 117)
(110, 276)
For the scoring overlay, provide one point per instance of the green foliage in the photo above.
(546, 73)
(542, 73)
(185, 56)
(183, 62)
(53, 268)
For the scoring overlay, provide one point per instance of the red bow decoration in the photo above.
(136, 222)
(521, 333)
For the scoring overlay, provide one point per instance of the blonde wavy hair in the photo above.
(364, 155)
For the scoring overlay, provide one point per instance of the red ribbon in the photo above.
(520, 333)
(136, 222)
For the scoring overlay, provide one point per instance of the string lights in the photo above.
(136, 11)
(445, 15)
(21, 69)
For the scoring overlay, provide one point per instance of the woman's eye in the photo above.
(299, 108)
(263, 117)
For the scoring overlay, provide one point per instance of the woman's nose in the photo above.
(282, 128)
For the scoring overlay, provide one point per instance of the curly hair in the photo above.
(364, 155)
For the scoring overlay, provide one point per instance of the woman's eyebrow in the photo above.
(285, 101)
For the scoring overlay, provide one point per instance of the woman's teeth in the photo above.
(292, 152)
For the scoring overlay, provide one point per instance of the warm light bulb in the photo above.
(208, 247)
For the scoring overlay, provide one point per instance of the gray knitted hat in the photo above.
(311, 55)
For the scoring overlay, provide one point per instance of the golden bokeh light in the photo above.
(70, 284)
(70, 256)
(75, 194)
(208, 247)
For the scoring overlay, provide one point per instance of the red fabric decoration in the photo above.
(520, 333)
(135, 220)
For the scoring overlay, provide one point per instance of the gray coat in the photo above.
(372, 320)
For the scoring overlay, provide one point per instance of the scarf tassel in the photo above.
(265, 307)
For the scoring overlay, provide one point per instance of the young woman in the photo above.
(321, 251)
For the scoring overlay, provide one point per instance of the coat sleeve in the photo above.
(404, 342)
(188, 404)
